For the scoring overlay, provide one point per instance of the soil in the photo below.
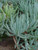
(7, 44)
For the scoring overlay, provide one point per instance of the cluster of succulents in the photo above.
(20, 21)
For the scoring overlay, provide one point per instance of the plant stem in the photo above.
(15, 42)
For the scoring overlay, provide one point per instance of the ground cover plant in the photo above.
(19, 20)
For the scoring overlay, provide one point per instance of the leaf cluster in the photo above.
(20, 19)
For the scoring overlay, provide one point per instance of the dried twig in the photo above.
(15, 42)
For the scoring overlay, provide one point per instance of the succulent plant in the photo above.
(23, 23)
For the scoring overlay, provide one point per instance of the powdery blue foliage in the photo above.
(23, 22)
